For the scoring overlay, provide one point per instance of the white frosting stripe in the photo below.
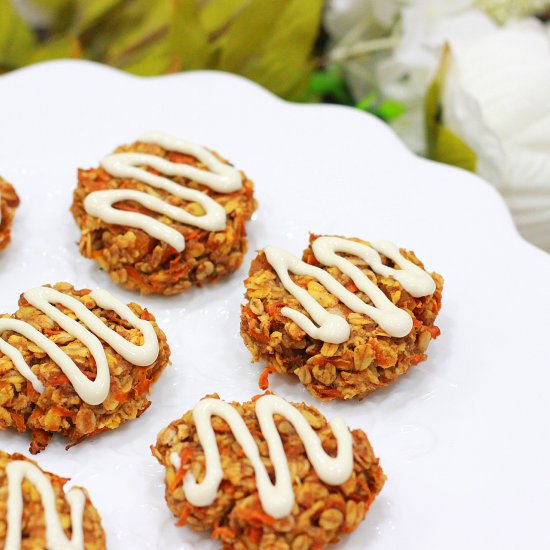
(92, 392)
(220, 177)
(332, 327)
(277, 499)
(56, 539)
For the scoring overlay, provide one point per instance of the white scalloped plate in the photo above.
(463, 438)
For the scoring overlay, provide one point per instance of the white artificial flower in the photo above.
(394, 47)
(496, 99)
(405, 75)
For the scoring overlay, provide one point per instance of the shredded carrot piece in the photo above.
(258, 395)
(351, 287)
(191, 236)
(58, 379)
(274, 309)
(31, 392)
(58, 410)
(180, 158)
(256, 515)
(417, 358)
(255, 535)
(19, 421)
(434, 331)
(95, 185)
(259, 335)
(328, 392)
(127, 208)
(248, 312)
(263, 381)
(183, 516)
(174, 262)
(143, 386)
(185, 458)
(122, 397)
(219, 532)
(145, 315)
(52, 331)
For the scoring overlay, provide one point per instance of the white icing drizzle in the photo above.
(92, 392)
(56, 539)
(220, 177)
(332, 327)
(277, 499)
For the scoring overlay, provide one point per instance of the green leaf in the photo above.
(389, 110)
(218, 14)
(328, 81)
(58, 48)
(450, 149)
(283, 62)
(443, 145)
(131, 30)
(89, 12)
(432, 102)
(151, 61)
(248, 31)
(368, 103)
(328, 84)
(17, 41)
(189, 46)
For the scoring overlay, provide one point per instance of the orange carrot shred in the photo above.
(256, 515)
(220, 531)
(258, 395)
(185, 458)
(263, 381)
(183, 516)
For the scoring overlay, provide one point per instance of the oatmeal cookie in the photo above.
(161, 215)
(9, 201)
(364, 355)
(77, 363)
(31, 527)
(243, 509)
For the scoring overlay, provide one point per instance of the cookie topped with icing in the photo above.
(164, 214)
(267, 473)
(37, 513)
(76, 362)
(349, 317)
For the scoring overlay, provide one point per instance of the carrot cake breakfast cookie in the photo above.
(163, 214)
(348, 318)
(9, 201)
(36, 513)
(77, 363)
(267, 474)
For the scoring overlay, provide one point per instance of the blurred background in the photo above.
(466, 82)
